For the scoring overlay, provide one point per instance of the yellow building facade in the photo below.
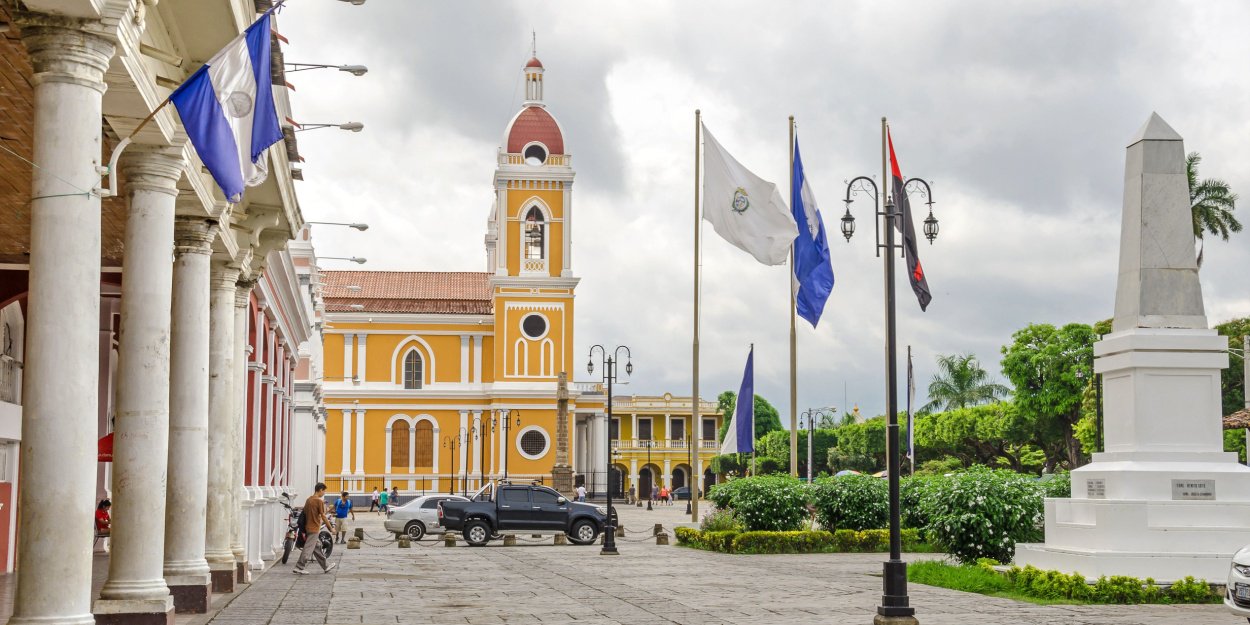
(439, 381)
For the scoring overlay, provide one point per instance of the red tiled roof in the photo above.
(534, 62)
(534, 123)
(445, 292)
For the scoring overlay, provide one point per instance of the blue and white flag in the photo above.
(740, 437)
(227, 108)
(813, 271)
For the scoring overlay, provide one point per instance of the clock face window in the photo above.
(534, 326)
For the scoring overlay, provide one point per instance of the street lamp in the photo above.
(450, 442)
(811, 414)
(894, 600)
(355, 259)
(504, 423)
(609, 375)
(357, 226)
(352, 126)
(354, 70)
(649, 443)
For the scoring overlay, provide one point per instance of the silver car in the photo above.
(418, 517)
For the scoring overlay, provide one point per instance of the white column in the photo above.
(386, 468)
(437, 446)
(347, 358)
(221, 405)
(186, 571)
(135, 583)
(58, 451)
(477, 445)
(238, 542)
(598, 446)
(464, 444)
(360, 441)
(668, 473)
(347, 443)
(362, 341)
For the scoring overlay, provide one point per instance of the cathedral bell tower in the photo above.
(528, 245)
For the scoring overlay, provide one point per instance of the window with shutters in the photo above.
(413, 370)
(399, 446)
(424, 433)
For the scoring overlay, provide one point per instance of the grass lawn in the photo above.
(969, 578)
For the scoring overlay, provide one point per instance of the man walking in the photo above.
(581, 492)
(373, 500)
(342, 508)
(382, 499)
(314, 516)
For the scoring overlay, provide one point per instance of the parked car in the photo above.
(1237, 597)
(684, 493)
(418, 517)
(536, 509)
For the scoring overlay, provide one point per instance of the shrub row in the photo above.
(978, 513)
(841, 541)
(1054, 585)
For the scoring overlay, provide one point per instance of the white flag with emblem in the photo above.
(743, 208)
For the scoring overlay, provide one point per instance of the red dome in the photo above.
(534, 62)
(534, 123)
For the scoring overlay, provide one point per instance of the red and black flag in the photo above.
(915, 271)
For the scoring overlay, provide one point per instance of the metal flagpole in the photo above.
(794, 385)
(696, 468)
(911, 420)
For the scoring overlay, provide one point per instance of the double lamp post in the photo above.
(895, 606)
(608, 364)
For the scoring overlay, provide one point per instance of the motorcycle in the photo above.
(296, 535)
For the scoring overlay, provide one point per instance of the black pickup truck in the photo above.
(536, 509)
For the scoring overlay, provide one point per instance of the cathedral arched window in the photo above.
(535, 234)
(413, 370)
(399, 445)
(424, 444)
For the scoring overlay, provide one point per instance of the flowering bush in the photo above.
(912, 493)
(983, 513)
(853, 502)
(764, 503)
(719, 520)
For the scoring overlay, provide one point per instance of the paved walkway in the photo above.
(647, 584)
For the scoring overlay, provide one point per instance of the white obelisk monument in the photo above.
(1164, 500)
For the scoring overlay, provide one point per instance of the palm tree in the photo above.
(961, 382)
(1212, 203)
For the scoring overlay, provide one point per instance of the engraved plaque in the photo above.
(1096, 488)
(1193, 490)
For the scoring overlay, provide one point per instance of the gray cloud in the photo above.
(1018, 113)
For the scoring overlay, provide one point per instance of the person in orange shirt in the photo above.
(315, 515)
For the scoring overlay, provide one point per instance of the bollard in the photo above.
(509, 540)
(353, 543)
(405, 542)
(639, 504)
(661, 538)
(449, 539)
(560, 539)
(620, 531)
(658, 529)
(360, 533)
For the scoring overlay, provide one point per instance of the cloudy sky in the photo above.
(1018, 113)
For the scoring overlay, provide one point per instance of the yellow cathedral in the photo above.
(439, 381)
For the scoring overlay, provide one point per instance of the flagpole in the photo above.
(794, 385)
(751, 408)
(696, 468)
(911, 423)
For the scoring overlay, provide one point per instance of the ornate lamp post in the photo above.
(450, 442)
(895, 606)
(811, 414)
(649, 443)
(504, 419)
(609, 363)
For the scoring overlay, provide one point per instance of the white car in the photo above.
(1237, 598)
(418, 517)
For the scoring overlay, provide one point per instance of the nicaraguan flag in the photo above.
(228, 111)
(740, 437)
(745, 209)
(813, 270)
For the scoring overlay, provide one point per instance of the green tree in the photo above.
(776, 445)
(1232, 381)
(767, 419)
(861, 446)
(1212, 203)
(961, 382)
(992, 434)
(1051, 368)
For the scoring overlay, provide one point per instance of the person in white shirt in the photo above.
(581, 493)
(373, 500)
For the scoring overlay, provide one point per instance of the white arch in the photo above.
(531, 202)
(397, 371)
(520, 358)
(547, 357)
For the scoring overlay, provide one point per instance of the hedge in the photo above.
(841, 541)
(1030, 582)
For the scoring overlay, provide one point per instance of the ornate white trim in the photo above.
(428, 357)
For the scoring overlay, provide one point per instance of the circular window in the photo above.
(533, 442)
(534, 326)
(535, 154)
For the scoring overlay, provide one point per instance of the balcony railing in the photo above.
(642, 444)
(10, 379)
